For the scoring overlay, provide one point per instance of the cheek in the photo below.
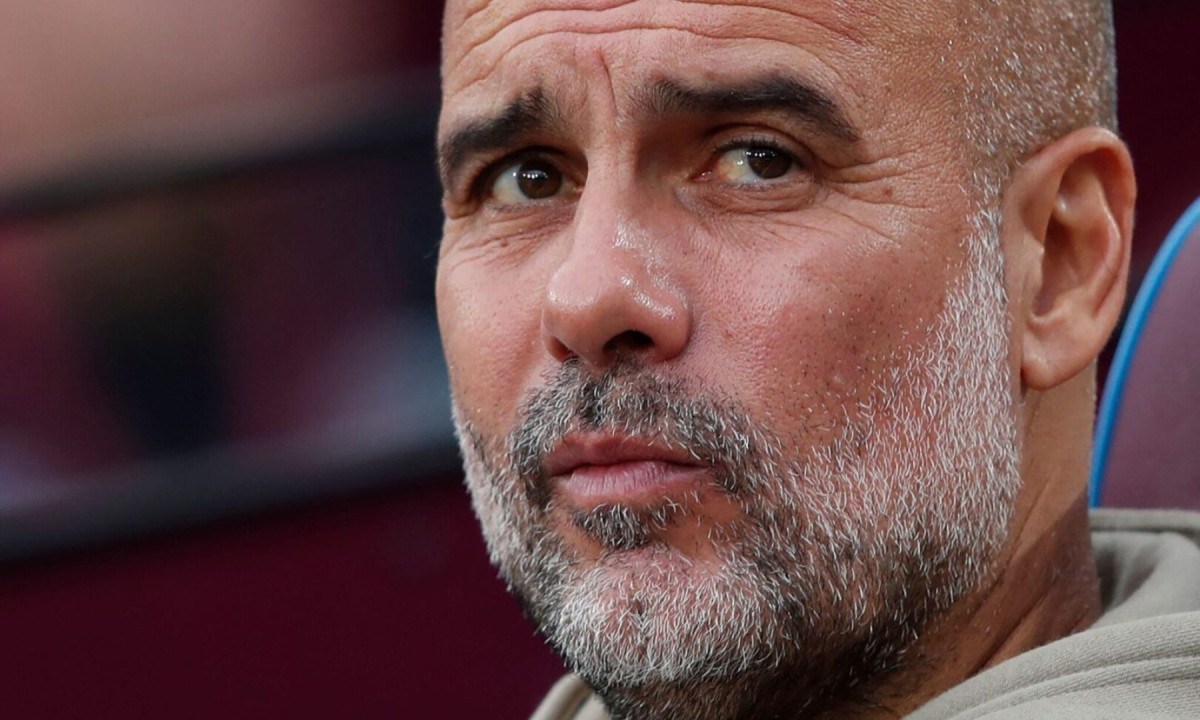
(814, 338)
(490, 326)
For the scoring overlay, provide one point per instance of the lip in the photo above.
(598, 469)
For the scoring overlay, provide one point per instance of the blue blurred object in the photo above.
(1137, 374)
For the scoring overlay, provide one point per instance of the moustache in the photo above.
(629, 401)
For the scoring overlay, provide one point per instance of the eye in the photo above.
(748, 164)
(526, 180)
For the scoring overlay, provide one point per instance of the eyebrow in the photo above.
(772, 92)
(534, 112)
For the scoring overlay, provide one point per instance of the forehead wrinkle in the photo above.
(505, 21)
(485, 72)
(471, 12)
(707, 26)
(785, 8)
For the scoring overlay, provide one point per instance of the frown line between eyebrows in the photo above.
(533, 111)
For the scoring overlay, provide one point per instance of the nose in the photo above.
(611, 297)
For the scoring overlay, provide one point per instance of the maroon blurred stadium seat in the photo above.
(1148, 428)
(55, 420)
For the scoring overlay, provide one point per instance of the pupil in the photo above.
(767, 163)
(537, 181)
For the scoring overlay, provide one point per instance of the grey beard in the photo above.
(618, 527)
(843, 553)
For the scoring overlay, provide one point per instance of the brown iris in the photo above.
(767, 163)
(538, 180)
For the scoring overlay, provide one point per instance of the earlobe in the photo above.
(1073, 206)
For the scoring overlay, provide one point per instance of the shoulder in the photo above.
(1148, 562)
(570, 699)
(1121, 520)
(1141, 658)
(1148, 668)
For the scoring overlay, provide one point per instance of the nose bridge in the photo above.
(614, 292)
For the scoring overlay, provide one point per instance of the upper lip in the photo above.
(577, 450)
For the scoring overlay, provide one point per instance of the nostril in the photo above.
(628, 341)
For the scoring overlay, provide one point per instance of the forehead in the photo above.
(493, 50)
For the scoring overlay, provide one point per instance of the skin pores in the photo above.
(789, 307)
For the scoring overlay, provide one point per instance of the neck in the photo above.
(1044, 591)
(1044, 585)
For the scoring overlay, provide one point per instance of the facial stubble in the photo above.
(842, 552)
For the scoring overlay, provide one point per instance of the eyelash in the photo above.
(763, 141)
(482, 180)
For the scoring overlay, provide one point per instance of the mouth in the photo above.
(590, 471)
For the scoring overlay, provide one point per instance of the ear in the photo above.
(1069, 218)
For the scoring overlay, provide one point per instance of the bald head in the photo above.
(1031, 71)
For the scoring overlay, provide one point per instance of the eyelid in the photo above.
(802, 159)
(731, 138)
(486, 172)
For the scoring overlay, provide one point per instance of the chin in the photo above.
(653, 616)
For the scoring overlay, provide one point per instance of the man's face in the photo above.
(726, 332)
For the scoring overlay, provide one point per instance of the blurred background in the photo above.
(228, 486)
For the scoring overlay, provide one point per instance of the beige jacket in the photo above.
(1140, 661)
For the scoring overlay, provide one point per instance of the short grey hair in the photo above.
(1035, 71)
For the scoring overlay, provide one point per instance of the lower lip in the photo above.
(638, 482)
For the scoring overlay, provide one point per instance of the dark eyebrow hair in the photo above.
(771, 92)
(535, 111)
(529, 113)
